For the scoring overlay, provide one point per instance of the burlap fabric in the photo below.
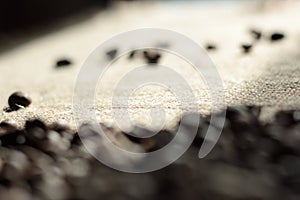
(269, 75)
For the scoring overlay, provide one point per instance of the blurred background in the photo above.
(22, 20)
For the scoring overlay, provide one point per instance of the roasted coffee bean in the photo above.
(152, 57)
(246, 48)
(19, 100)
(132, 54)
(36, 132)
(254, 110)
(76, 139)
(13, 139)
(296, 116)
(210, 47)
(63, 63)
(256, 34)
(241, 115)
(285, 118)
(60, 126)
(35, 123)
(277, 36)
(7, 126)
(112, 54)
(139, 136)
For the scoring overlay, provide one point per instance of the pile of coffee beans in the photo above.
(251, 160)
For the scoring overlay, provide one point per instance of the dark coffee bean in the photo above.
(285, 118)
(36, 132)
(210, 47)
(76, 140)
(60, 126)
(296, 116)
(18, 100)
(132, 54)
(63, 63)
(138, 136)
(246, 48)
(238, 115)
(152, 57)
(112, 54)
(277, 36)
(256, 34)
(7, 126)
(13, 139)
(36, 123)
(255, 110)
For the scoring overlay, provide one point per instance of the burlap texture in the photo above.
(269, 75)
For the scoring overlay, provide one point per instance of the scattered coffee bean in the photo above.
(256, 34)
(246, 48)
(112, 54)
(210, 47)
(19, 100)
(276, 37)
(63, 63)
(152, 57)
(132, 54)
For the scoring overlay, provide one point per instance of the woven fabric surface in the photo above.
(268, 76)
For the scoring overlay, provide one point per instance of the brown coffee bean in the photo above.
(256, 34)
(18, 100)
(60, 126)
(7, 126)
(36, 123)
(63, 63)
(152, 57)
(13, 139)
(276, 37)
(246, 48)
(112, 54)
(210, 47)
(132, 54)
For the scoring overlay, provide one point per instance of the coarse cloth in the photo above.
(269, 75)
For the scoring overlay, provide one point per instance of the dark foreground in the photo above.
(251, 160)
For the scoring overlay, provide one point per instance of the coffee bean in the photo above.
(13, 139)
(152, 57)
(276, 37)
(256, 34)
(246, 48)
(35, 123)
(112, 54)
(36, 132)
(63, 63)
(210, 47)
(60, 126)
(19, 100)
(7, 126)
(132, 54)
(285, 118)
